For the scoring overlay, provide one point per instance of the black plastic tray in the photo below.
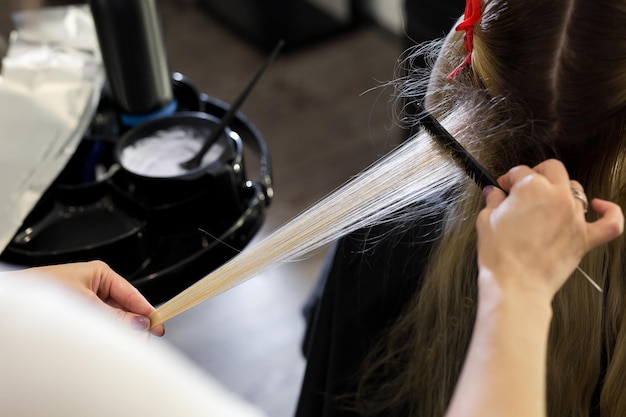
(161, 234)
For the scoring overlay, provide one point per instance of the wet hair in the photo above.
(547, 80)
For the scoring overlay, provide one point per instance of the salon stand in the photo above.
(161, 246)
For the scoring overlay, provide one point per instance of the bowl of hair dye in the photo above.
(150, 156)
(157, 149)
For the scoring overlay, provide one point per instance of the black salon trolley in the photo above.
(162, 234)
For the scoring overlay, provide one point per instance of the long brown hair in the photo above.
(547, 80)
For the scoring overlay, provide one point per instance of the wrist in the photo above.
(513, 295)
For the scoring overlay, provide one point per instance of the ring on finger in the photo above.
(580, 195)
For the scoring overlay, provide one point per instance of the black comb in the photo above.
(476, 171)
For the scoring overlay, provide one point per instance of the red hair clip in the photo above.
(470, 18)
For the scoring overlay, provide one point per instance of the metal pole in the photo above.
(131, 43)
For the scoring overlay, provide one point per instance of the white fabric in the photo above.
(49, 90)
(61, 356)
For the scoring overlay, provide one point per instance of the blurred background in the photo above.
(325, 116)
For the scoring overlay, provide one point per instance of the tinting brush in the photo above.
(473, 168)
(232, 110)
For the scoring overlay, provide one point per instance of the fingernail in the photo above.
(158, 332)
(487, 190)
(141, 323)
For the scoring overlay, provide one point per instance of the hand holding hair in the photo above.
(98, 282)
(537, 235)
(529, 243)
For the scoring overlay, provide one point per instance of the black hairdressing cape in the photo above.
(368, 279)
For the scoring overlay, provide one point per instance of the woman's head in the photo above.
(547, 79)
(552, 68)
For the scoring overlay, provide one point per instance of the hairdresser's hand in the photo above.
(98, 282)
(534, 238)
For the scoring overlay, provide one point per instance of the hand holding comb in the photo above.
(471, 166)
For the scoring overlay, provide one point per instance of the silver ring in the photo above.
(580, 195)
